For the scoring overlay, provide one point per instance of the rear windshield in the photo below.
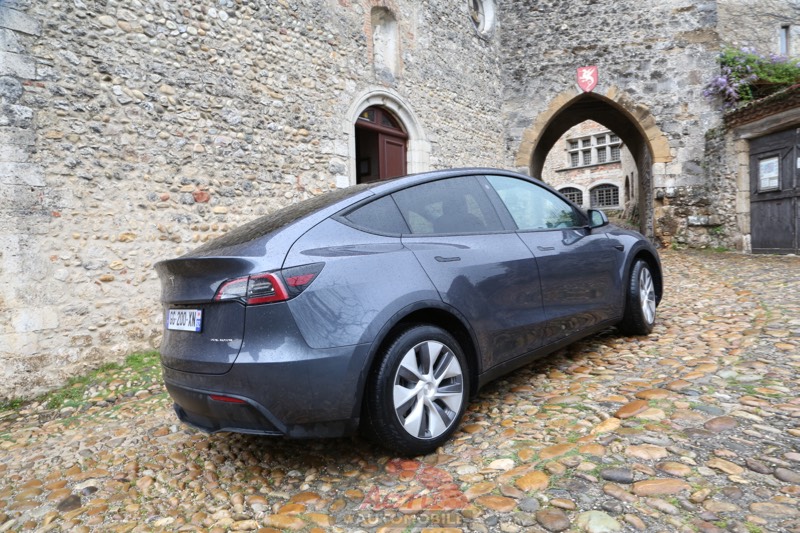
(280, 218)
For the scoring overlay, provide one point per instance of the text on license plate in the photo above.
(185, 319)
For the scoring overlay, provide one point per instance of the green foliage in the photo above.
(139, 370)
(10, 404)
(142, 361)
(746, 75)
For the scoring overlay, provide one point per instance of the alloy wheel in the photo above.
(647, 295)
(428, 390)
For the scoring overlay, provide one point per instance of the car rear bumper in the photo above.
(315, 394)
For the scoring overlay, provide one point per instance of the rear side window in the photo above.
(533, 207)
(379, 216)
(455, 205)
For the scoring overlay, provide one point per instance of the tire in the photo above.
(640, 301)
(417, 395)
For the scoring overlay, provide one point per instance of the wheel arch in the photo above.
(428, 313)
(655, 269)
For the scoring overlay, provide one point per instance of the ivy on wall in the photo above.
(746, 75)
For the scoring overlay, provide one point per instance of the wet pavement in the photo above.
(693, 428)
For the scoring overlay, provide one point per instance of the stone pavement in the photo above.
(693, 428)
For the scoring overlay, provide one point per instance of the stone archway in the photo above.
(418, 149)
(633, 123)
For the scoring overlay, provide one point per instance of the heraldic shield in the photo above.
(587, 78)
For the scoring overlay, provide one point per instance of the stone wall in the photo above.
(137, 130)
(757, 24)
(132, 131)
(706, 216)
(653, 57)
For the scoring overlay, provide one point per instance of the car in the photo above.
(386, 306)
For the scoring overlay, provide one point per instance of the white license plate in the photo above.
(185, 319)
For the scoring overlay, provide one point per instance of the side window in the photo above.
(533, 207)
(455, 205)
(379, 216)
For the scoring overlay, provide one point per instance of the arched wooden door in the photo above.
(380, 146)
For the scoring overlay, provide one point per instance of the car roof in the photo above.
(395, 184)
(294, 220)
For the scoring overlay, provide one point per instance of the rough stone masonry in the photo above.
(131, 131)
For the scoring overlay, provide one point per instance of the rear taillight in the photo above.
(269, 287)
(256, 289)
(298, 278)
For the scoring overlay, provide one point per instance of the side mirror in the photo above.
(597, 218)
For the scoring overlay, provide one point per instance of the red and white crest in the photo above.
(587, 78)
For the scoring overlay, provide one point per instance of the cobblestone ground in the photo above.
(694, 428)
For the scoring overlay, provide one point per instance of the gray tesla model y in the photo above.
(386, 306)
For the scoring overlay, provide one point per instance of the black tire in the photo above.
(430, 398)
(640, 301)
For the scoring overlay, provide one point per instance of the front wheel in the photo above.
(418, 393)
(640, 301)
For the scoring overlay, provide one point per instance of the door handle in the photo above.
(447, 259)
(546, 248)
(620, 247)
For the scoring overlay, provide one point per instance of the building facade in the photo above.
(592, 167)
(132, 131)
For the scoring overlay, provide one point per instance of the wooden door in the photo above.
(380, 146)
(392, 156)
(775, 193)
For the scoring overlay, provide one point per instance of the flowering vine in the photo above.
(746, 75)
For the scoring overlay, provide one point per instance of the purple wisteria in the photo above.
(746, 75)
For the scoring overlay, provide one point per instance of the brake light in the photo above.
(265, 288)
(269, 287)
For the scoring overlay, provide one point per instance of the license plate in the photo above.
(185, 319)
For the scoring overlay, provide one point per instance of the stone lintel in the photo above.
(17, 136)
(19, 21)
(14, 153)
(12, 173)
(9, 41)
(18, 65)
(768, 124)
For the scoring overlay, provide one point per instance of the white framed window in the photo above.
(605, 195)
(573, 194)
(593, 150)
(783, 40)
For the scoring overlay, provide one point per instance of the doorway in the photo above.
(645, 144)
(775, 193)
(380, 146)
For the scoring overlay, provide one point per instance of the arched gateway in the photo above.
(634, 124)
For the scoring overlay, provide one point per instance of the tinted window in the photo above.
(455, 205)
(380, 216)
(533, 207)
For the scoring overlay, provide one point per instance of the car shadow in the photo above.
(356, 452)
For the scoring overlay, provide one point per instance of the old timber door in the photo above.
(775, 192)
(380, 146)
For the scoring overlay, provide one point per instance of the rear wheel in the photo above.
(640, 302)
(418, 393)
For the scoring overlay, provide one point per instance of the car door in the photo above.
(478, 266)
(578, 268)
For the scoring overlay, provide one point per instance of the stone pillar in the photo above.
(22, 187)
